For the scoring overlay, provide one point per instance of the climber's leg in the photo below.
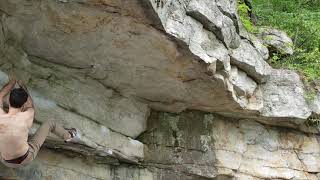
(40, 136)
(38, 139)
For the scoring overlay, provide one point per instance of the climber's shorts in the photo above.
(18, 160)
(21, 161)
(37, 140)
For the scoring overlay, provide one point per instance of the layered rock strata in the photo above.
(114, 69)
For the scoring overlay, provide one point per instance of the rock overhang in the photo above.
(104, 65)
(122, 46)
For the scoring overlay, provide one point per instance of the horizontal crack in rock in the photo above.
(56, 63)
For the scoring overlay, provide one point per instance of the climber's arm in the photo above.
(5, 90)
(29, 103)
(28, 107)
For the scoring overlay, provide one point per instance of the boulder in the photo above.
(208, 13)
(248, 59)
(243, 85)
(277, 41)
(258, 44)
(284, 96)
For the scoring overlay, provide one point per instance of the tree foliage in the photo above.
(243, 10)
(301, 20)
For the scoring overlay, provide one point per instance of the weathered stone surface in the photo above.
(209, 146)
(148, 69)
(170, 147)
(243, 84)
(96, 132)
(1, 36)
(315, 103)
(283, 96)
(208, 13)
(191, 28)
(195, 146)
(258, 44)
(277, 41)
(55, 166)
(228, 7)
(137, 61)
(101, 65)
(247, 58)
(206, 45)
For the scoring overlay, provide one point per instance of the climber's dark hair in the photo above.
(18, 97)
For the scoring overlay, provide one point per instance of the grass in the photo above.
(245, 19)
(301, 21)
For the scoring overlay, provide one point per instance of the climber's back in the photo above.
(14, 130)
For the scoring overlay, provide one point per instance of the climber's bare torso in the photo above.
(14, 124)
(14, 129)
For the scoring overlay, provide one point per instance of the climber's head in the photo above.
(18, 97)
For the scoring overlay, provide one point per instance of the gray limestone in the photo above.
(114, 69)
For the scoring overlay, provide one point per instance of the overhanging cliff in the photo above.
(103, 66)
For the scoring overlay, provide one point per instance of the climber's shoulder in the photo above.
(27, 114)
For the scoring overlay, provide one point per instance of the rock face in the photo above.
(115, 69)
(279, 90)
(250, 60)
(277, 41)
(52, 165)
(208, 146)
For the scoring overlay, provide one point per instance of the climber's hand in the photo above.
(8, 87)
(12, 79)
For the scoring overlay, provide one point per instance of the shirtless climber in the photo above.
(15, 148)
